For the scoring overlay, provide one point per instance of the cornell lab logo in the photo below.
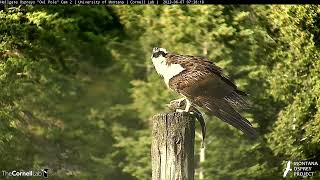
(43, 172)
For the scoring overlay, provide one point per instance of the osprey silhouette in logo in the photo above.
(202, 83)
(286, 171)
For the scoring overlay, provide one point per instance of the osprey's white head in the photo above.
(159, 61)
(157, 52)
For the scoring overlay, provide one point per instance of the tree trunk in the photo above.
(202, 155)
(172, 149)
(202, 149)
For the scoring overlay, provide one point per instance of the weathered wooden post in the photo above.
(172, 149)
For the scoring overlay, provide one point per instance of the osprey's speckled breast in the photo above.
(166, 70)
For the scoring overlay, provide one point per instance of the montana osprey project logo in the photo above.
(303, 168)
(286, 171)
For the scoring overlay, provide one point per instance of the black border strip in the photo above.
(152, 2)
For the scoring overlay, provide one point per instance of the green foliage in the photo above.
(294, 81)
(53, 91)
(78, 87)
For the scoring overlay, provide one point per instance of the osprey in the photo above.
(202, 83)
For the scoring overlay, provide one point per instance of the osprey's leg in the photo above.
(188, 105)
(179, 101)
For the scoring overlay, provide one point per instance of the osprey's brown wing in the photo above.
(205, 85)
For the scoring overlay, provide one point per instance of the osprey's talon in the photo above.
(188, 105)
(179, 101)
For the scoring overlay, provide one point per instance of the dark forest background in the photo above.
(78, 87)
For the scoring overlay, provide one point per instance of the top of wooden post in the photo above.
(172, 148)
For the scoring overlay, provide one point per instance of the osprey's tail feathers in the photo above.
(242, 93)
(225, 112)
(239, 124)
(237, 99)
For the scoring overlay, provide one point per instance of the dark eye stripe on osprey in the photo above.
(203, 83)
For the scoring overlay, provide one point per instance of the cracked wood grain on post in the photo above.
(172, 149)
